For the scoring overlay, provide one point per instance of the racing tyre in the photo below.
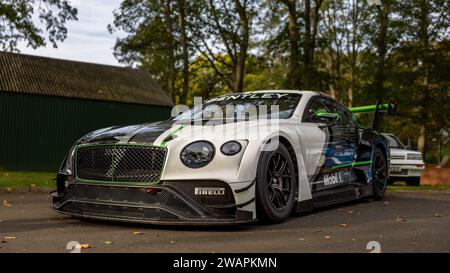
(275, 185)
(379, 174)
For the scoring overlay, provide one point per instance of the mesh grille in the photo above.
(123, 195)
(126, 202)
(121, 212)
(120, 163)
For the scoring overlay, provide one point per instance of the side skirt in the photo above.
(335, 196)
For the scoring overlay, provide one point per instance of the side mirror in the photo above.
(324, 117)
(392, 107)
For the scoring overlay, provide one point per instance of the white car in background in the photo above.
(406, 165)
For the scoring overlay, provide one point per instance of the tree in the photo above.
(342, 41)
(357, 52)
(310, 40)
(225, 26)
(17, 23)
(294, 74)
(184, 49)
(157, 40)
(420, 59)
(382, 46)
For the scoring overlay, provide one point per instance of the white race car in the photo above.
(272, 154)
(406, 165)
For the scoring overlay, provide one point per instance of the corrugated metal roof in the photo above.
(53, 77)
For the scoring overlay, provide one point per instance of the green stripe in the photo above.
(369, 108)
(163, 143)
(359, 163)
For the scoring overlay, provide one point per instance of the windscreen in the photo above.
(245, 105)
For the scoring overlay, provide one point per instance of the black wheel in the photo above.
(413, 181)
(275, 185)
(379, 174)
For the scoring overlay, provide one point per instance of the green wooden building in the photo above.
(46, 104)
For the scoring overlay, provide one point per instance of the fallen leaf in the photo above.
(10, 238)
(301, 239)
(350, 211)
(327, 237)
(137, 233)
(6, 203)
(108, 242)
(437, 215)
(386, 203)
(33, 185)
(400, 220)
(343, 225)
(8, 189)
(85, 246)
(172, 242)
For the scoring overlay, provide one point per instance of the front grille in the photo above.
(120, 163)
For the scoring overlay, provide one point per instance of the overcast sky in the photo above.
(88, 40)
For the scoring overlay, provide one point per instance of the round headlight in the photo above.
(231, 148)
(197, 154)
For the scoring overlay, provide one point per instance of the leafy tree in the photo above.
(357, 52)
(158, 40)
(226, 26)
(17, 24)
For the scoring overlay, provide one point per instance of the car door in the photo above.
(344, 136)
(339, 148)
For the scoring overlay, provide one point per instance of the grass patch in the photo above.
(420, 188)
(15, 179)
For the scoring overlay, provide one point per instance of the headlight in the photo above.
(231, 148)
(414, 156)
(66, 166)
(197, 154)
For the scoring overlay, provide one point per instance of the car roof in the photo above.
(284, 91)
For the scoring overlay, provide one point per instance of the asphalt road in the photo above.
(405, 221)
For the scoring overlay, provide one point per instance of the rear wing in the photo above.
(390, 108)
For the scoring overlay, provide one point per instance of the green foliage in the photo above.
(16, 22)
(399, 50)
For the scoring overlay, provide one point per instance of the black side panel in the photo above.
(335, 196)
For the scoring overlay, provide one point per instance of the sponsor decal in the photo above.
(332, 178)
(248, 96)
(209, 191)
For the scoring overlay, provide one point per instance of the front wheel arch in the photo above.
(267, 209)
